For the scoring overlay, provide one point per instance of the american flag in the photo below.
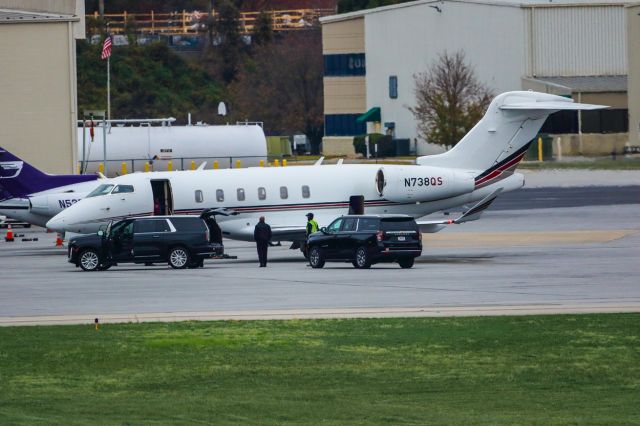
(106, 47)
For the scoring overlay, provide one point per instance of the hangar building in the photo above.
(38, 100)
(576, 49)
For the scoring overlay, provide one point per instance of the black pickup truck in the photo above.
(182, 241)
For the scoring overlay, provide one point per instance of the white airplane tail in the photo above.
(499, 141)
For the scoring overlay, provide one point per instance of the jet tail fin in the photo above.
(21, 179)
(498, 142)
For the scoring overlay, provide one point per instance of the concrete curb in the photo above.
(289, 314)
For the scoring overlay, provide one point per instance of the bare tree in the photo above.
(450, 100)
(282, 86)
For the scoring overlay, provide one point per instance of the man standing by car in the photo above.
(312, 225)
(262, 235)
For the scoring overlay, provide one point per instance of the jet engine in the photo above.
(422, 183)
(52, 204)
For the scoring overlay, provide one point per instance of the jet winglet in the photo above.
(473, 213)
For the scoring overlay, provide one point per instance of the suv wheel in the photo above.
(89, 260)
(178, 258)
(407, 262)
(362, 258)
(315, 257)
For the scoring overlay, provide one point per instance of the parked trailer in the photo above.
(158, 145)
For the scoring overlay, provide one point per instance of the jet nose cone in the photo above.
(56, 223)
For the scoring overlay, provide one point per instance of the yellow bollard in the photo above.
(539, 149)
(284, 162)
(147, 167)
(123, 170)
(101, 168)
(238, 164)
(276, 162)
(216, 165)
(79, 168)
(170, 166)
(261, 163)
(193, 164)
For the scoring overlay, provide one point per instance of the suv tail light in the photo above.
(380, 235)
(206, 235)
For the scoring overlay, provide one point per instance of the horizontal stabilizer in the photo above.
(473, 213)
(550, 106)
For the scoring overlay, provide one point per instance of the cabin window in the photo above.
(219, 195)
(199, 197)
(241, 194)
(306, 193)
(122, 189)
(284, 192)
(262, 193)
(101, 190)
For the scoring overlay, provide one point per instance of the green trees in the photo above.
(146, 81)
(282, 86)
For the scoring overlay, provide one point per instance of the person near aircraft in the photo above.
(312, 225)
(262, 236)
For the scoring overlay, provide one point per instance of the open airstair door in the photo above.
(356, 204)
(162, 197)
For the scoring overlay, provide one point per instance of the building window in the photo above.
(393, 87)
(597, 121)
(240, 194)
(284, 192)
(262, 193)
(350, 64)
(306, 193)
(220, 195)
(199, 197)
(343, 125)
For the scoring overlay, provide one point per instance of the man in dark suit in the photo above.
(262, 235)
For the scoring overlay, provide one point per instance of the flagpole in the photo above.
(109, 87)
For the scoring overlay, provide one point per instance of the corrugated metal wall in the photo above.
(576, 40)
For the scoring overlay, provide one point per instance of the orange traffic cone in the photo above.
(58, 240)
(9, 237)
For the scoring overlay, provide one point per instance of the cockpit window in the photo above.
(122, 189)
(101, 190)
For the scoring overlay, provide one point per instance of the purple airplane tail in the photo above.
(21, 179)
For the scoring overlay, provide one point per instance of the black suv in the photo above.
(367, 239)
(182, 241)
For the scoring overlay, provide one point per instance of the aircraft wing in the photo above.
(288, 233)
(473, 213)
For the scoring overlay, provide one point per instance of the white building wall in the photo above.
(576, 40)
(406, 40)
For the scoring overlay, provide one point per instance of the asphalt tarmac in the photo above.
(535, 251)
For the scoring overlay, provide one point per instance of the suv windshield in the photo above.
(398, 224)
(101, 190)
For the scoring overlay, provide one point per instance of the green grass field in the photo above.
(494, 370)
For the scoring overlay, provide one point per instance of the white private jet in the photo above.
(476, 170)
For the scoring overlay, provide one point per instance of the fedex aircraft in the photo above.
(473, 173)
(35, 197)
